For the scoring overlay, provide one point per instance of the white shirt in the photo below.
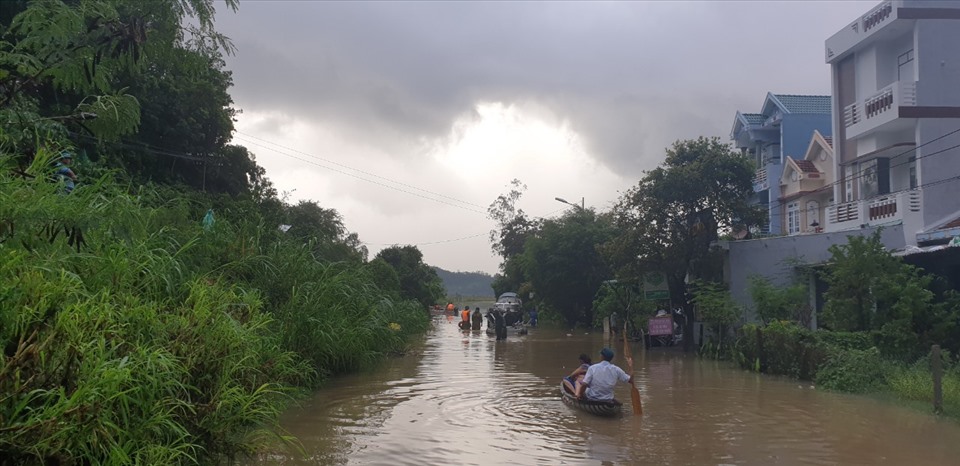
(601, 378)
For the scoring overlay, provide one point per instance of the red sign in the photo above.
(658, 326)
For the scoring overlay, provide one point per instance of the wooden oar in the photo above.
(634, 393)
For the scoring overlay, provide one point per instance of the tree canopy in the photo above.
(668, 221)
(564, 265)
(418, 281)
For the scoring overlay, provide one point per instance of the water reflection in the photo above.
(465, 398)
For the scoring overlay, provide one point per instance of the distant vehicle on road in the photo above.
(510, 305)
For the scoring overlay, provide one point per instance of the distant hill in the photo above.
(466, 283)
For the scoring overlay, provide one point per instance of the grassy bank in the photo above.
(848, 362)
(132, 333)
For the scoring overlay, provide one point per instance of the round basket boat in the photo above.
(597, 408)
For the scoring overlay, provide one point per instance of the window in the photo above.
(793, 218)
(905, 66)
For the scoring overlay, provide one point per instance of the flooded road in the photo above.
(467, 399)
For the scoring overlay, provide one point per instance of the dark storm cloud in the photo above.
(629, 77)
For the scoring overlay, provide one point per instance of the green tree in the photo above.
(772, 303)
(564, 266)
(418, 281)
(716, 308)
(669, 220)
(869, 289)
(324, 228)
(509, 237)
(60, 63)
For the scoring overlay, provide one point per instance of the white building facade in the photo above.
(896, 119)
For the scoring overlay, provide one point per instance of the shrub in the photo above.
(853, 371)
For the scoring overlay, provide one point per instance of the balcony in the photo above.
(880, 210)
(883, 107)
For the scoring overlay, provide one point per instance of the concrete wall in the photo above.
(775, 258)
(938, 62)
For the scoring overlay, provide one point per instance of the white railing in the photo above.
(760, 181)
(874, 211)
(843, 213)
(879, 108)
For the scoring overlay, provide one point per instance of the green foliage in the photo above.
(564, 266)
(132, 335)
(152, 73)
(788, 349)
(915, 383)
(508, 239)
(625, 296)
(772, 303)
(715, 305)
(853, 371)
(668, 221)
(418, 281)
(870, 289)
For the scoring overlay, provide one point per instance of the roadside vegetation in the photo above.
(172, 304)
(133, 332)
(881, 319)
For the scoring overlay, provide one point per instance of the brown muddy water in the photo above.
(464, 399)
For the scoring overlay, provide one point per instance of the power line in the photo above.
(780, 202)
(368, 180)
(243, 135)
(428, 242)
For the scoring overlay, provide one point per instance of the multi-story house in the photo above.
(806, 187)
(783, 127)
(896, 119)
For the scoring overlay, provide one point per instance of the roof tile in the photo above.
(807, 166)
(818, 104)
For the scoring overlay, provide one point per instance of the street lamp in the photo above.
(581, 206)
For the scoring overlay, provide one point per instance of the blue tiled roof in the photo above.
(819, 104)
(754, 118)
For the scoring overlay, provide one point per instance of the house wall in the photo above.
(938, 62)
(938, 167)
(938, 67)
(774, 258)
(796, 131)
(888, 68)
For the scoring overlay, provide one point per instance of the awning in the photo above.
(911, 250)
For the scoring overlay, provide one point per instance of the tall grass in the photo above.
(129, 334)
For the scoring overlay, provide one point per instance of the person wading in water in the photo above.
(477, 319)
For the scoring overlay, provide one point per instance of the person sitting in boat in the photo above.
(600, 379)
(573, 380)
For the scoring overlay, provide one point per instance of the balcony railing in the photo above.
(879, 108)
(760, 181)
(874, 211)
(877, 16)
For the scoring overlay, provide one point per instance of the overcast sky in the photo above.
(410, 118)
